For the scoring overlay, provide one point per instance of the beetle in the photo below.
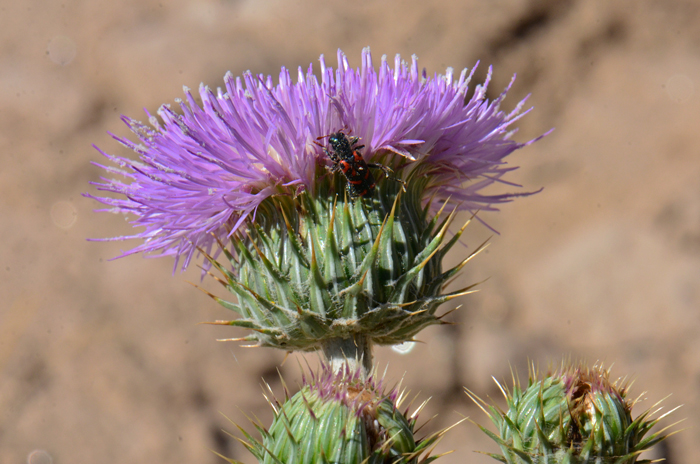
(345, 153)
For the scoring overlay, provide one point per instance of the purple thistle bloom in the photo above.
(203, 173)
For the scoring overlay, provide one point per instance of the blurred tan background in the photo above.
(103, 361)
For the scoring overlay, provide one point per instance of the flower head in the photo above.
(204, 172)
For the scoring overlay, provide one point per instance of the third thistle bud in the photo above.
(575, 416)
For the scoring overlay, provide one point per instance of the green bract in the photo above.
(323, 267)
(575, 416)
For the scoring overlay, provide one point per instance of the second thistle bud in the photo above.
(340, 417)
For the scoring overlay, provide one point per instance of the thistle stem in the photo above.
(354, 352)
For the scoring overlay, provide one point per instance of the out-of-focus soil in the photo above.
(102, 361)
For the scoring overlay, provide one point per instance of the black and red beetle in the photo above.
(346, 157)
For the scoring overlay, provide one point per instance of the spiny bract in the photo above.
(342, 418)
(324, 267)
(574, 416)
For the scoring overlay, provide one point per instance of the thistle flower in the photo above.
(575, 415)
(248, 173)
(341, 417)
(204, 173)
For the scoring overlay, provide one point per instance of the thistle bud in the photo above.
(341, 417)
(575, 415)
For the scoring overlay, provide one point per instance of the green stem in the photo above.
(355, 352)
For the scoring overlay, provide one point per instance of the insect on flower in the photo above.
(346, 157)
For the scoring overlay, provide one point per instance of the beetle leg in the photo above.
(387, 173)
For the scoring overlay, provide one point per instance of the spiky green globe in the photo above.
(323, 267)
(574, 416)
(341, 418)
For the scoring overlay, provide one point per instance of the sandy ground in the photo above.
(102, 361)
